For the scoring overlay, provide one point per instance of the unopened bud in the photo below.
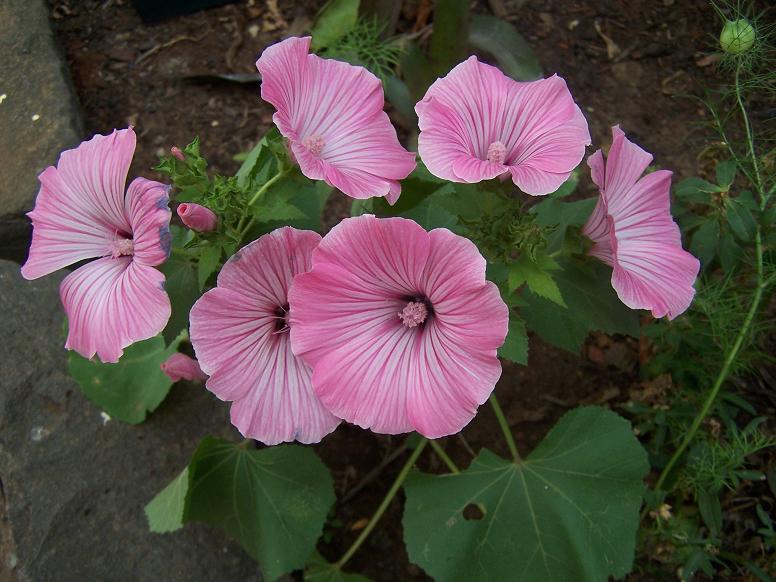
(737, 36)
(181, 367)
(177, 153)
(197, 217)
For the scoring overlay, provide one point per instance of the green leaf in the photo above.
(260, 163)
(131, 388)
(696, 190)
(209, 259)
(567, 512)
(562, 215)
(319, 570)
(273, 501)
(705, 241)
(165, 511)
(711, 511)
(183, 288)
(335, 20)
(730, 252)
(537, 276)
(726, 173)
(501, 41)
(592, 306)
(515, 348)
(740, 219)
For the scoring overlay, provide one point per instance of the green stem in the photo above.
(259, 193)
(749, 138)
(744, 331)
(181, 252)
(444, 456)
(384, 505)
(502, 422)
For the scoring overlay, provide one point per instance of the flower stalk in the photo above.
(384, 504)
(502, 422)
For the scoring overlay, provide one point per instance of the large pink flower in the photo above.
(476, 124)
(332, 113)
(399, 325)
(632, 231)
(239, 331)
(82, 213)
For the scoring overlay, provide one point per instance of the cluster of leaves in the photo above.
(569, 510)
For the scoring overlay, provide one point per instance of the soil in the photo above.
(128, 72)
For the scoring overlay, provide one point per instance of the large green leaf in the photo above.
(273, 501)
(567, 512)
(501, 41)
(592, 306)
(131, 388)
(182, 285)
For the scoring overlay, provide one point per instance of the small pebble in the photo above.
(3, 97)
(38, 433)
(35, 117)
(105, 418)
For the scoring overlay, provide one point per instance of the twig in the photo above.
(153, 50)
(373, 474)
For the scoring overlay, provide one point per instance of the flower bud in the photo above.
(181, 367)
(177, 153)
(197, 217)
(737, 36)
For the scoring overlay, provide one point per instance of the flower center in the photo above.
(122, 247)
(497, 152)
(414, 313)
(281, 319)
(314, 144)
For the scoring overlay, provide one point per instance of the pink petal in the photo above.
(238, 335)
(536, 182)
(624, 164)
(371, 369)
(376, 251)
(655, 276)
(79, 210)
(181, 367)
(197, 217)
(341, 107)
(476, 106)
(632, 230)
(148, 212)
(457, 366)
(112, 303)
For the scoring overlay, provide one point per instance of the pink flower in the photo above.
(632, 231)
(399, 325)
(332, 114)
(240, 333)
(181, 367)
(197, 217)
(82, 213)
(477, 124)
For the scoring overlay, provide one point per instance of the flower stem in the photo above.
(744, 331)
(502, 421)
(444, 456)
(384, 504)
(241, 228)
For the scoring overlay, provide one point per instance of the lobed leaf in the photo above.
(567, 512)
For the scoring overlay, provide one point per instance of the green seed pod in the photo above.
(737, 36)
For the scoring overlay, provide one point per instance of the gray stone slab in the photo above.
(39, 113)
(73, 485)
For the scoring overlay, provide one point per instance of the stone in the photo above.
(39, 114)
(74, 483)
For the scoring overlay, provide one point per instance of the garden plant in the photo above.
(461, 239)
